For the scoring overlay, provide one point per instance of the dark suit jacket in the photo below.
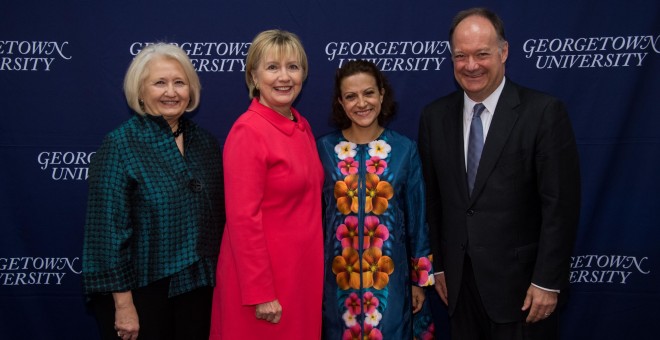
(519, 225)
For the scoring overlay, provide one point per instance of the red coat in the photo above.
(272, 246)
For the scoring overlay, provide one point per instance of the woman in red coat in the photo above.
(270, 269)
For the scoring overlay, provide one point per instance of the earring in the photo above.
(256, 86)
(141, 102)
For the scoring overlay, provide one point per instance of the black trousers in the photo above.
(471, 322)
(186, 316)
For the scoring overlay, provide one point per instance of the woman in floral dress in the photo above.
(376, 240)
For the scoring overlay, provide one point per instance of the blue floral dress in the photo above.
(376, 239)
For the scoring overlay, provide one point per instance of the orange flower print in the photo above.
(378, 193)
(377, 268)
(347, 269)
(346, 194)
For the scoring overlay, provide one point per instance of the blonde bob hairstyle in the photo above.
(281, 44)
(138, 71)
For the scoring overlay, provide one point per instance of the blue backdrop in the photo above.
(61, 70)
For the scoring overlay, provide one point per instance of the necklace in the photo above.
(179, 130)
(289, 116)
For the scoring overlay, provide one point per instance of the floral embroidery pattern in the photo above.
(421, 271)
(428, 334)
(370, 302)
(348, 166)
(377, 268)
(355, 333)
(346, 194)
(345, 150)
(347, 269)
(353, 304)
(347, 232)
(379, 148)
(378, 193)
(374, 232)
(375, 165)
(362, 264)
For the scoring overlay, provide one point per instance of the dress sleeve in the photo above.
(421, 263)
(106, 249)
(245, 170)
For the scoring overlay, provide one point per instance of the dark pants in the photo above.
(471, 322)
(185, 316)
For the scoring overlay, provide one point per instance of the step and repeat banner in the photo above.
(61, 70)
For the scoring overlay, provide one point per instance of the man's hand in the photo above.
(441, 287)
(540, 303)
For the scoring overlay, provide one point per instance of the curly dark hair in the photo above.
(353, 67)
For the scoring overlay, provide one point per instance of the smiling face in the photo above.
(165, 89)
(279, 81)
(479, 57)
(361, 99)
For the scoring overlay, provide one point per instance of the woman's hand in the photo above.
(269, 311)
(418, 298)
(127, 323)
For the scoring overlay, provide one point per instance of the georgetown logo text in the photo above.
(593, 52)
(68, 165)
(610, 269)
(391, 55)
(24, 271)
(31, 55)
(209, 56)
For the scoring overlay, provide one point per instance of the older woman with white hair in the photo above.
(155, 209)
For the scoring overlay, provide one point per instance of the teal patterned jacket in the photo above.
(153, 213)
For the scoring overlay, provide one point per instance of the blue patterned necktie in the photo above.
(475, 145)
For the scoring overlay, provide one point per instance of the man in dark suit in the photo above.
(503, 191)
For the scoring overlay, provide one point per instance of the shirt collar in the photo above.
(490, 102)
(277, 120)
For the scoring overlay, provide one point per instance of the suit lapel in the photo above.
(455, 131)
(504, 119)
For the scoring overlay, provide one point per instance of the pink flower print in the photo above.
(370, 302)
(375, 165)
(421, 269)
(353, 333)
(347, 232)
(371, 333)
(348, 166)
(353, 304)
(374, 232)
(428, 334)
